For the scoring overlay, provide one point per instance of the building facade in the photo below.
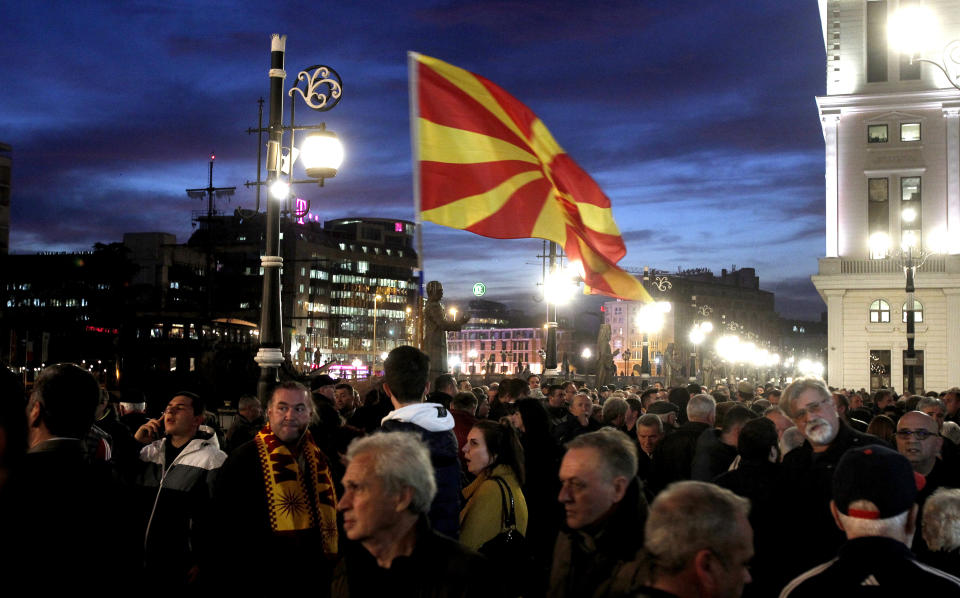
(732, 302)
(891, 130)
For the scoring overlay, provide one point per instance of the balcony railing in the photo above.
(889, 266)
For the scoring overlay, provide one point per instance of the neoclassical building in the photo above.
(891, 129)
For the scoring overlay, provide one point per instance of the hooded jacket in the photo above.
(176, 499)
(434, 424)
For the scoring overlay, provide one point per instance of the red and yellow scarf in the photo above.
(298, 500)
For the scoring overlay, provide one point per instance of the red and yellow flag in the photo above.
(485, 163)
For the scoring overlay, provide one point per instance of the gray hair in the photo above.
(689, 517)
(798, 387)
(930, 402)
(701, 406)
(617, 451)
(941, 520)
(791, 438)
(613, 408)
(951, 431)
(400, 460)
(650, 420)
(142, 406)
(858, 527)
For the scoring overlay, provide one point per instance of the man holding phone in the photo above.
(178, 467)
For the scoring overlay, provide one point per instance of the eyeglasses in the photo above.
(813, 408)
(920, 434)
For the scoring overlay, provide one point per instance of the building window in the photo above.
(909, 131)
(877, 134)
(917, 312)
(880, 312)
(878, 216)
(910, 212)
(879, 369)
(876, 41)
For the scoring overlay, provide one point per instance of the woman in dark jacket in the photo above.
(542, 459)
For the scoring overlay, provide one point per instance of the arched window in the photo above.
(917, 312)
(880, 312)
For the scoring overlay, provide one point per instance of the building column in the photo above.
(831, 124)
(952, 116)
(835, 374)
(953, 336)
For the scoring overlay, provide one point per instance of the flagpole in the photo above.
(414, 155)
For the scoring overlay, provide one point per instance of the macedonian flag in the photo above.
(485, 163)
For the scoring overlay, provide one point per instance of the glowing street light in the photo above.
(698, 333)
(322, 92)
(650, 320)
(912, 29)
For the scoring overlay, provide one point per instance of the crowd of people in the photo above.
(437, 488)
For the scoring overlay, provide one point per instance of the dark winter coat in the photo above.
(438, 568)
(434, 424)
(602, 561)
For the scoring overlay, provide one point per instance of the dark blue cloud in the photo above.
(698, 122)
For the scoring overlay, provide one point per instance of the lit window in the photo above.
(877, 134)
(909, 131)
(917, 312)
(880, 312)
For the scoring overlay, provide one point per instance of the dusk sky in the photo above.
(697, 119)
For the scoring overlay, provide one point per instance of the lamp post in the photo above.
(912, 30)
(472, 354)
(698, 333)
(649, 321)
(626, 362)
(322, 155)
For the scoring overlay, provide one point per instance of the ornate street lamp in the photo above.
(321, 154)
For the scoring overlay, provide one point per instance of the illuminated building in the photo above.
(891, 131)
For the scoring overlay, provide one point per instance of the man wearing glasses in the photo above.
(178, 466)
(809, 468)
(919, 441)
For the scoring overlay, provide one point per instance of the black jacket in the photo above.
(873, 566)
(674, 454)
(438, 568)
(807, 488)
(604, 559)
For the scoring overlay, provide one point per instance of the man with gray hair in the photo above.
(675, 454)
(933, 407)
(873, 503)
(699, 543)
(809, 468)
(387, 492)
(649, 433)
(615, 412)
(605, 512)
(941, 529)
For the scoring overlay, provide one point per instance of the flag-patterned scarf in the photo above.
(296, 499)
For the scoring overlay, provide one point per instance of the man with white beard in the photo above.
(809, 470)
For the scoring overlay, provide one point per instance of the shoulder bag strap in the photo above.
(509, 515)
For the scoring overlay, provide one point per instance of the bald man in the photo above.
(918, 440)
